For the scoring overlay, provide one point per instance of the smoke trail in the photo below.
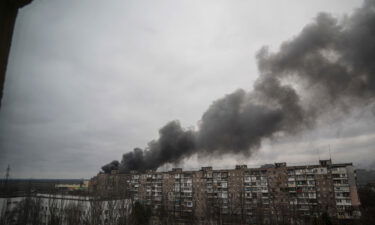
(331, 61)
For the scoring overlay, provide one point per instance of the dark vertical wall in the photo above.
(8, 14)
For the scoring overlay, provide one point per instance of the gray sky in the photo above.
(90, 80)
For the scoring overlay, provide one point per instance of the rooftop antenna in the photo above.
(329, 149)
(317, 150)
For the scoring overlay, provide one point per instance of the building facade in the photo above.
(271, 194)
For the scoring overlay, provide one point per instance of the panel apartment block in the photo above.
(272, 193)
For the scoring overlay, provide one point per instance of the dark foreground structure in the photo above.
(273, 194)
(8, 15)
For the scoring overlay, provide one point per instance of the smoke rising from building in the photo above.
(328, 66)
(114, 165)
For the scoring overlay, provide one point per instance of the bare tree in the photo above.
(95, 213)
(26, 212)
(124, 210)
(55, 209)
(111, 212)
(73, 213)
(6, 215)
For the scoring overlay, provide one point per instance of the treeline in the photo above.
(98, 210)
(54, 210)
(33, 210)
(21, 187)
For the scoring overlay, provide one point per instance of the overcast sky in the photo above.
(90, 80)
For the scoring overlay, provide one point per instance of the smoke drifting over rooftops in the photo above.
(328, 66)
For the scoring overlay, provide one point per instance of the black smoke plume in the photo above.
(114, 165)
(330, 65)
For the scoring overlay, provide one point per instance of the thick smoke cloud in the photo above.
(174, 144)
(114, 165)
(235, 124)
(328, 66)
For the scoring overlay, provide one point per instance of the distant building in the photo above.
(270, 194)
(72, 187)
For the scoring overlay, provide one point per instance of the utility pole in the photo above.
(6, 189)
(4, 183)
(8, 15)
(7, 176)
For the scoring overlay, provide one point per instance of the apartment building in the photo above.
(272, 193)
(114, 185)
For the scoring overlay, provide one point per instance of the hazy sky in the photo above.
(90, 80)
